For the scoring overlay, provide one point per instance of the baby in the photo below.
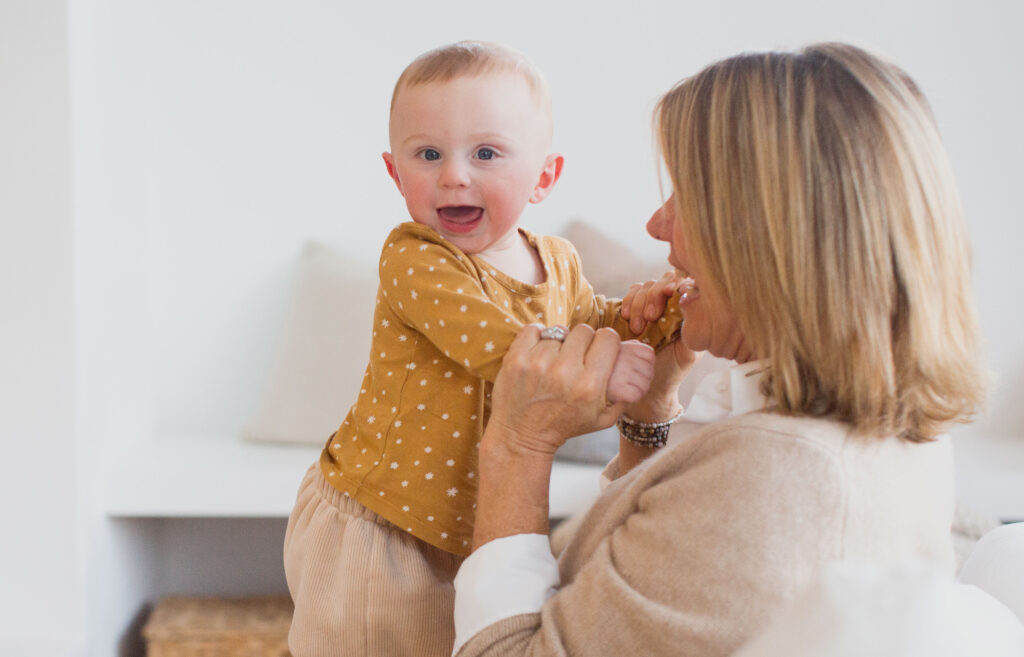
(382, 523)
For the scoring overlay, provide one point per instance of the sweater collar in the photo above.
(720, 395)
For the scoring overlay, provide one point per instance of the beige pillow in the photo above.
(608, 265)
(323, 352)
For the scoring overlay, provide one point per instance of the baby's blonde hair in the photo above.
(470, 58)
(815, 190)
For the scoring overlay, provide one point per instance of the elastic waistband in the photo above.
(340, 500)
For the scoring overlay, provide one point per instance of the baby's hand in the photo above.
(645, 302)
(632, 373)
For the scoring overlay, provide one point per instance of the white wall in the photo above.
(209, 140)
(228, 133)
(40, 608)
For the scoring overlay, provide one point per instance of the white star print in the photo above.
(468, 390)
(452, 492)
(385, 323)
(394, 465)
(489, 347)
(464, 338)
(413, 293)
(429, 475)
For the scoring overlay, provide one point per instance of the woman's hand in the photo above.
(549, 391)
(545, 393)
(661, 403)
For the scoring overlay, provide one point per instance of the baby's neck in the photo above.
(516, 258)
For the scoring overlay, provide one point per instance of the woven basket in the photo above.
(219, 627)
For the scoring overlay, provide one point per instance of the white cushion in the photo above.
(895, 610)
(996, 565)
(323, 352)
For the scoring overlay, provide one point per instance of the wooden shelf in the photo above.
(217, 476)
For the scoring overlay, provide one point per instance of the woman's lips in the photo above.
(688, 291)
(460, 218)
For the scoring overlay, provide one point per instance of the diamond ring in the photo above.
(553, 333)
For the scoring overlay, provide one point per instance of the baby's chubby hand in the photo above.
(645, 302)
(632, 372)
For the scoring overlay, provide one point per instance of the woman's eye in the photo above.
(485, 154)
(430, 154)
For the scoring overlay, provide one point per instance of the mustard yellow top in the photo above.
(443, 321)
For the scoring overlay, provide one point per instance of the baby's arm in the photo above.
(666, 317)
(646, 302)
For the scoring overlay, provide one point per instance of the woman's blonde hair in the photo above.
(814, 189)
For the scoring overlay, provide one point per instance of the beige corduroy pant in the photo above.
(361, 585)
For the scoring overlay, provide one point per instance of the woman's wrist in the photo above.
(514, 490)
(646, 411)
(651, 411)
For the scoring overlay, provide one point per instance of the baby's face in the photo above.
(468, 155)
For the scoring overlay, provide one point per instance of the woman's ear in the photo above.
(548, 177)
(389, 162)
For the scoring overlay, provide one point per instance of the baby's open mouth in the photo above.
(460, 218)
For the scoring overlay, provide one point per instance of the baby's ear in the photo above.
(548, 177)
(389, 162)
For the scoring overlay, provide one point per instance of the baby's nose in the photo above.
(454, 174)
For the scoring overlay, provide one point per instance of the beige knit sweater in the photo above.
(697, 549)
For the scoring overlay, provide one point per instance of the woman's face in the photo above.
(709, 323)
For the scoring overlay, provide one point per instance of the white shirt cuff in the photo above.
(503, 578)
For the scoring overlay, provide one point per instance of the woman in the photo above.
(814, 208)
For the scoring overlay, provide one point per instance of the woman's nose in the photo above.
(453, 174)
(657, 224)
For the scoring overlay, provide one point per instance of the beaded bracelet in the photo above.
(646, 434)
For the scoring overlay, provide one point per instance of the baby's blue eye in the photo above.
(485, 154)
(430, 154)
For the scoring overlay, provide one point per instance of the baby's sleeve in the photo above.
(438, 293)
(600, 311)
